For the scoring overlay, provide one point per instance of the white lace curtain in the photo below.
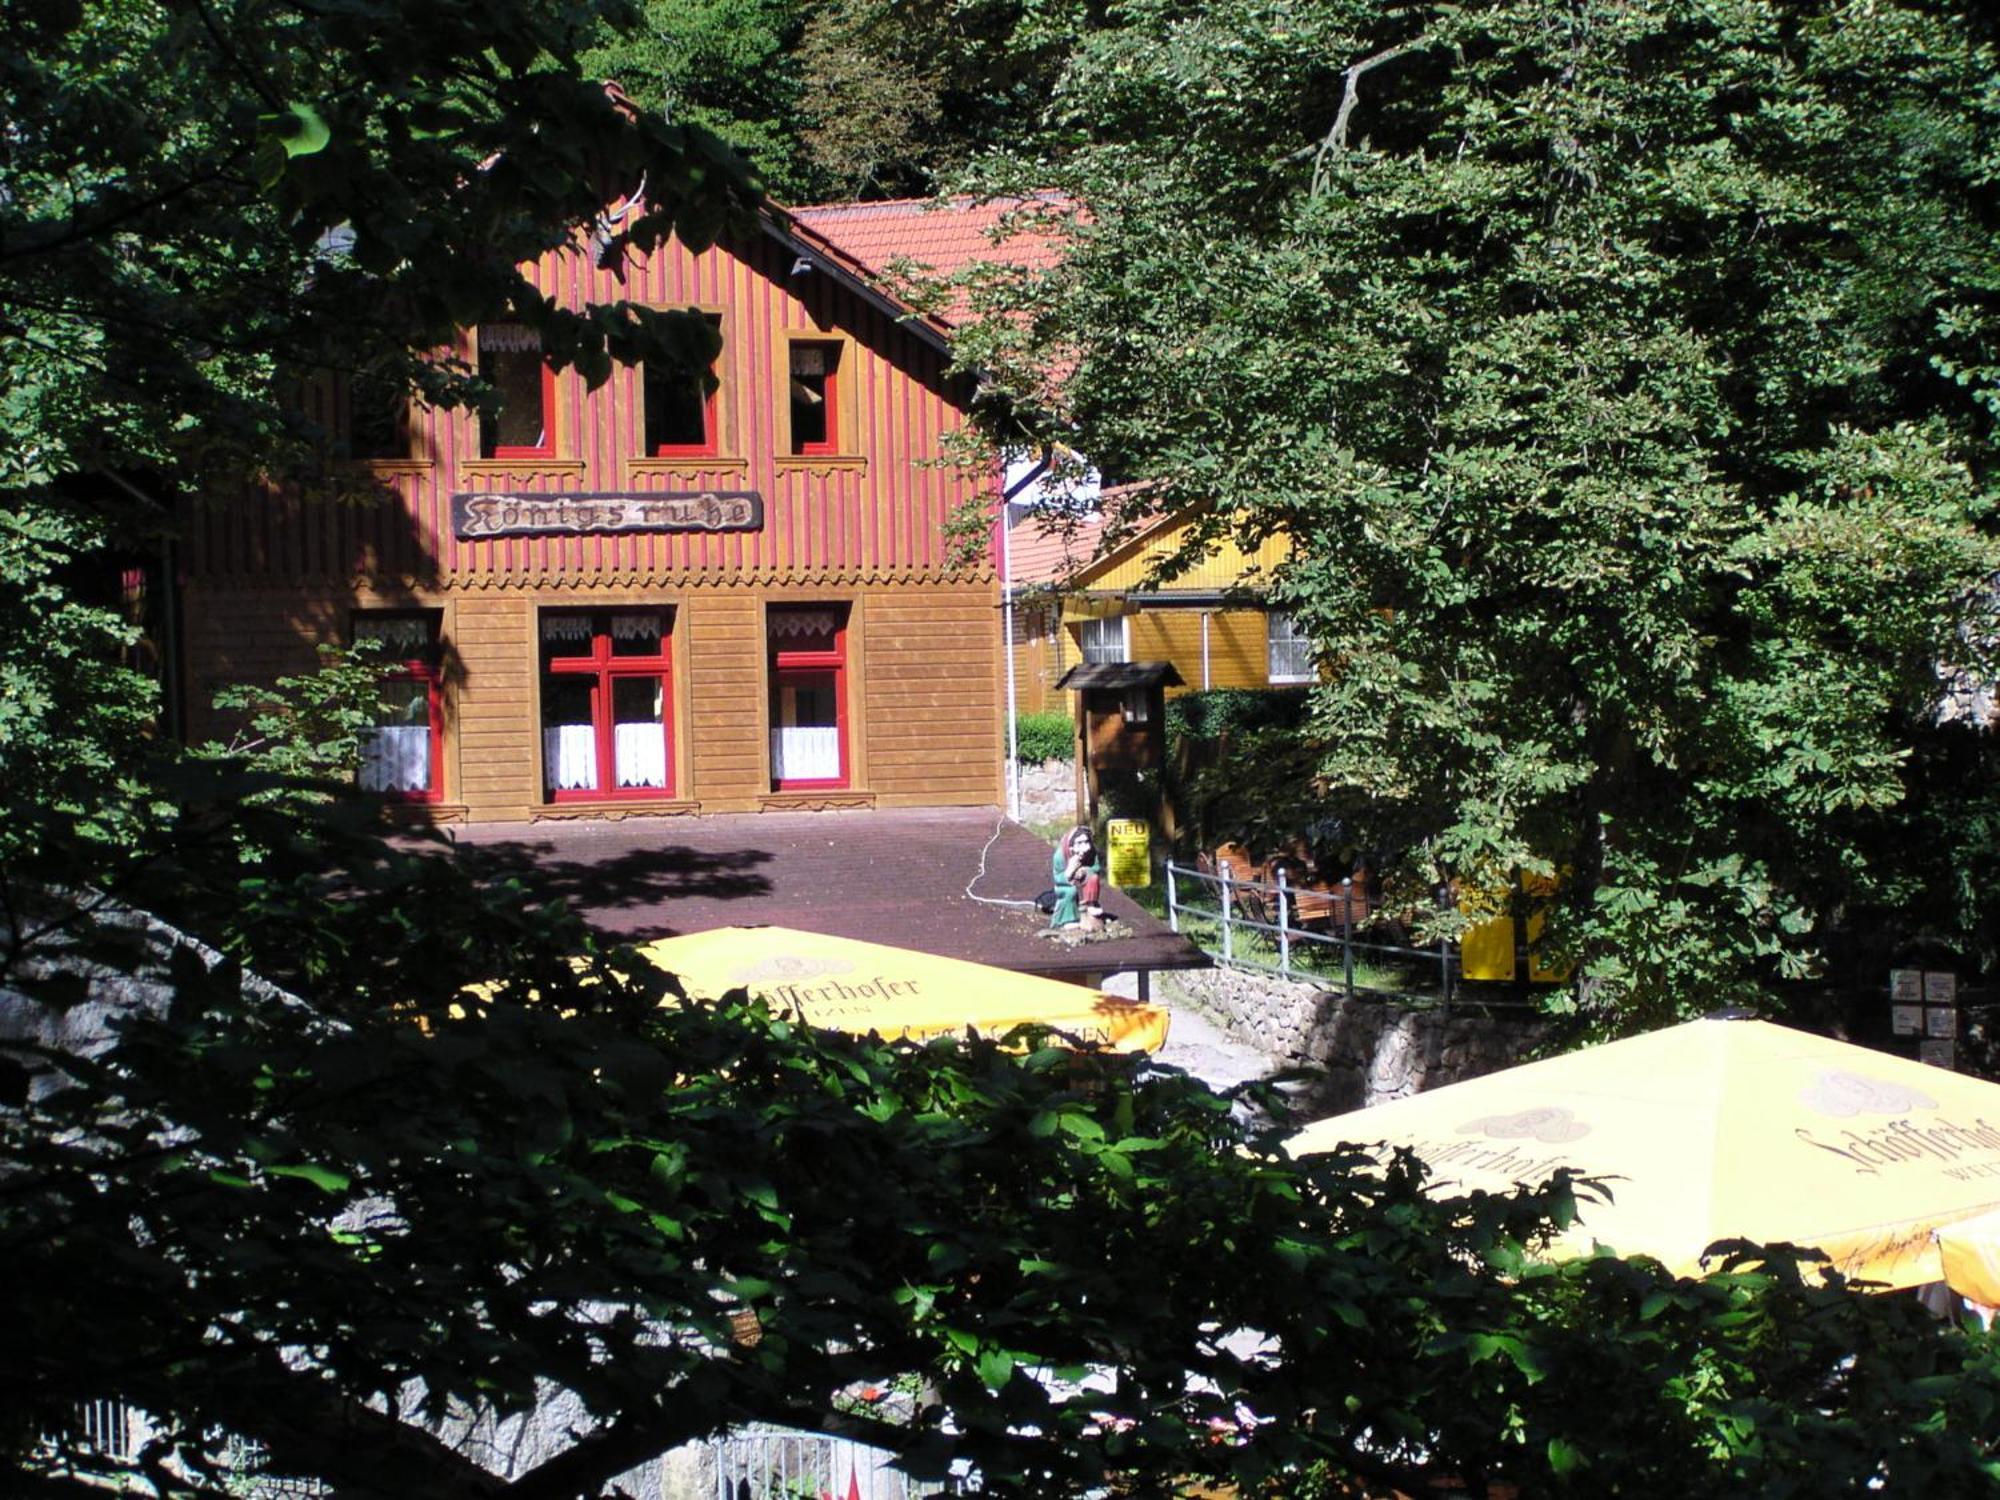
(569, 757)
(806, 753)
(401, 636)
(508, 338)
(787, 624)
(397, 759)
(577, 630)
(644, 627)
(638, 756)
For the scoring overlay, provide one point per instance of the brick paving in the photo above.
(885, 876)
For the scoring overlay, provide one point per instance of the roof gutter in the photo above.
(821, 257)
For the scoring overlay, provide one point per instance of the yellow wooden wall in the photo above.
(1225, 566)
(1040, 661)
(1236, 645)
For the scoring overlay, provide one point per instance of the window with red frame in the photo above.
(378, 417)
(607, 683)
(815, 403)
(510, 360)
(809, 736)
(403, 756)
(680, 410)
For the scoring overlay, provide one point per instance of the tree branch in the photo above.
(1350, 95)
(78, 231)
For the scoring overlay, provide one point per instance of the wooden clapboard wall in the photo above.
(269, 577)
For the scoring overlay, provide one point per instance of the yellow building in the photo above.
(1078, 602)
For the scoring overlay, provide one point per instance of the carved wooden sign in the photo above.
(486, 514)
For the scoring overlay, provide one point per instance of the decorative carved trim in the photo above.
(520, 468)
(426, 812)
(445, 585)
(717, 579)
(828, 801)
(649, 465)
(614, 812)
(821, 464)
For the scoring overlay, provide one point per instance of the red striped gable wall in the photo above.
(877, 514)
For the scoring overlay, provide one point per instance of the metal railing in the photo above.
(758, 1464)
(1255, 924)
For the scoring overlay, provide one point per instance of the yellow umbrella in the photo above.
(1970, 1250)
(846, 985)
(1720, 1129)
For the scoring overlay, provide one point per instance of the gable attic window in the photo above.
(378, 418)
(815, 398)
(510, 360)
(680, 410)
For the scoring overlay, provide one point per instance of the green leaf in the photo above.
(302, 131)
(1564, 1456)
(323, 1178)
(996, 1367)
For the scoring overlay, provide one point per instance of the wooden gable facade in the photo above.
(1208, 622)
(760, 611)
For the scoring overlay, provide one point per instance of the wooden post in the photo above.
(1086, 771)
(1173, 908)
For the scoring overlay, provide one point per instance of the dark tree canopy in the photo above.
(310, 1191)
(1626, 376)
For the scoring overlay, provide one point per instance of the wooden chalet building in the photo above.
(1080, 602)
(641, 600)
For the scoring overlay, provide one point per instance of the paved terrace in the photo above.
(895, 877)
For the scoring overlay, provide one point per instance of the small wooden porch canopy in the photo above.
(1120, 719)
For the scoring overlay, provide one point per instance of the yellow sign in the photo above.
(1131, 852)
(1486, 951)
(844, 984)
(1720, 1130)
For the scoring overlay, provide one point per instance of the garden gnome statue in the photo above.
(1075, 868)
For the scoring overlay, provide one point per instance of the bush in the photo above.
(1218, 712)
(1040, 737)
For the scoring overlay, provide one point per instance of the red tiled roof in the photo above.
(940, 236)
(1046, 548)
(1049, 547)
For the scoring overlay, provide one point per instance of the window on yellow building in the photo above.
(1289, 649)
(1105, 641)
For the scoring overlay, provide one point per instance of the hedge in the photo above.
(1219, 711)
(1040, 737)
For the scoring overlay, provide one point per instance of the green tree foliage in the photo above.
(268, 196)
(897, 93)
(838, 99)
(352, 1223)
(351, 1216)
(1626, 375)
(730, 66)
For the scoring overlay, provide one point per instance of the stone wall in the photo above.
(1048, 792)
(1366, 1052)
